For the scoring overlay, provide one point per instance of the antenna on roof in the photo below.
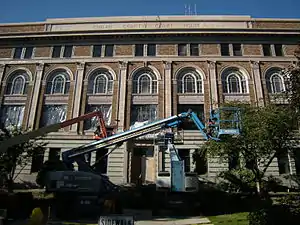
(188, 10)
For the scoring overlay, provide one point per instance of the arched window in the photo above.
(234, 81)
(100, 82)
(275, 81)
(58, 82)
(17, 83)
(189, 81)
(277, 84)
(144, 82)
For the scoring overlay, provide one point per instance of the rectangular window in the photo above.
(194, 49)
(267, 50)
(37, 162)
(56, 51)
(109, 50)
(184, 154)
(93, 122)
(142, 113)
(12, 115)
(101, 161)
(151, 50)
(283, 163)
(197, 108)
(28, 53)
(68, 51)
(54, 154)
(18, 53)
(296, 154)
(53, 114)
(182, 49)
(139, 50)
(225, 50)
(97, 50)
(278, 50)
(237, 49)
(233, 161)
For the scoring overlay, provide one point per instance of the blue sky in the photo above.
(38, 10)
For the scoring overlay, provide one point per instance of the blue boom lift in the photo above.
(89, 188)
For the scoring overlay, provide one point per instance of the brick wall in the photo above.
(21, 28)
(5, 52)
(251, 49)
(289, 49)
(42, 51)
(166, 49)
(124, 50)
(209, 49)
(82, 50)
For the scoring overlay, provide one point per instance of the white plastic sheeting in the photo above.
(142, 113)
(53, 114)
(12, 115)
(93, 122)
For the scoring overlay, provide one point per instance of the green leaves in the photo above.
(18, 155)
(266, 133)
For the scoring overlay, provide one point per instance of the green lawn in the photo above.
(230, 219)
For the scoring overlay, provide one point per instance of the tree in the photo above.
(18, 155)
(266, 134)
(292, 83)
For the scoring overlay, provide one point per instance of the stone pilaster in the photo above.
(213, 85)
(78, 94)
(122, 96)
(2, 69)
(259, 98)
(35, 95)
(168, 89)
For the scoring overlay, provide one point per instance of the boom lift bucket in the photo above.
(225, 121)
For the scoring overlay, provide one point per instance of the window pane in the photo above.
(225, 50)
(189, 84)
(144, 84)
(267, 50)
(28, 52)
(151, 49)
(68, 51)
(194, 49)
(12, 115)
(182, 49)
(142, 113)
(18, 53)
(197, 108)
(56, 51)
(93, 122)
(278, 50)
(18, 86)
(53, 114)
(233, 83)
(100, 84)
(97, 50)
(58, 85)
(109, 49)
(277, 85)
(139, 50)
(237, 50)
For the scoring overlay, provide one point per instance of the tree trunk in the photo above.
(258, 187)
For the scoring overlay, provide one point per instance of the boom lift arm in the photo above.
(76, 154)
(4, 145)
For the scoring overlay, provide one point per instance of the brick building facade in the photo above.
(139, 69)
